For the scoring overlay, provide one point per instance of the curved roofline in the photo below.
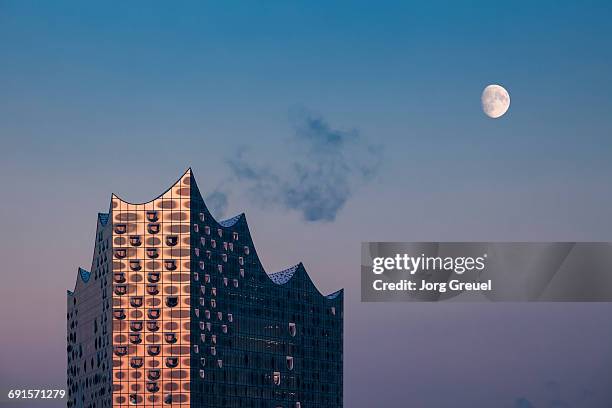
(84, 275)
(230, 222)
(188, 171)
(235, 221)
(278, 278)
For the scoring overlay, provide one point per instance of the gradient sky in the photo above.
(88, 92)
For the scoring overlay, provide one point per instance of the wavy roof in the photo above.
(284, 276)
(237, 222)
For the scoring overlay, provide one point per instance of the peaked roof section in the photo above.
(83, 275)
(282, 277)
(239, 223)
(232, 224)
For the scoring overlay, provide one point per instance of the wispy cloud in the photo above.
(217, 203)
(326, 165)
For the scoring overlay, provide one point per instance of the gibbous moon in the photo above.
(495, 101)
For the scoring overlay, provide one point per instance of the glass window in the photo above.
(152, 216)
(153, 350)
(135, 240)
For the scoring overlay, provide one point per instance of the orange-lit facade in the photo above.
(178, 311)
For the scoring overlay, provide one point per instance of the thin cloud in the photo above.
(327, 167)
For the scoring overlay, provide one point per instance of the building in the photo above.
(177, 310)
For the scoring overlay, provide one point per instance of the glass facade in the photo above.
(194, 320)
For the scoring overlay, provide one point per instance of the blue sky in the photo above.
(89, 91)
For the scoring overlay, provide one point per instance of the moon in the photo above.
(495, 101)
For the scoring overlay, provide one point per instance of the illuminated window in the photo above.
(230, 317)
(120, 290)
(224, 328)
(153, 277)
(152, 325)
(225, 280)
(152, 216)
(276, 378)
(203, 241)
(235, 236)
(135, 240)
(207, 230)
(136, 325)
(135, 338)
(246, 250)
(119, 314)
(170, 338)
(292, 329)
(242, 272)
(152, 387)
(196, 348)
(235, 281)
(119, 277)
(202, 217)
(219, 232)
(201, 264)
(196, 228)
(202, 375)
(220, 363)
(152, 289)
(171, 362)
(241, 260)
(289, 363)
(213, 350)
(136, 362)
(120, 228)
(120, 350)
(120, 253)
(152, 253)
(153, 228)
(135, 264)
(154, 374)
(219, 315)
(197, 251)
(153, 313)
(136, 301)
(170, 264)
(153, 350)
